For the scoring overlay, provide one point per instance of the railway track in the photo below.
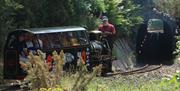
(144, 69)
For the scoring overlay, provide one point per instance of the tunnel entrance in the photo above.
(155, 42)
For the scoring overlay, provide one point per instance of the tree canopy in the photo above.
(49, 13)
(171, 7)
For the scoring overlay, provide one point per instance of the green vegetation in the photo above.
(177, 50)
(124, 17)
(38, 72)
(40, 78)
(172, 83)
(47, 13)
(128, 83)
(121, 83)
(171, 7)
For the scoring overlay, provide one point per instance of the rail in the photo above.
(144, 69)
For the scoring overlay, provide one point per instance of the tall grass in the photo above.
(121, 85)
(177, 50)
(40, 78)
(38, 73)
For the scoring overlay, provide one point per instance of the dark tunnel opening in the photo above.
(155, 47)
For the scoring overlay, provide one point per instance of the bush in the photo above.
(123, 14)
(177, 50)
(40, 78)
(39, 75)
(172, 83)
(32, 13)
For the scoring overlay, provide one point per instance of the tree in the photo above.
(50, 13)
(7, 13)
(171, 7)
(124, 14)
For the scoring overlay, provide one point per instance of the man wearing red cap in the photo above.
(108, 29)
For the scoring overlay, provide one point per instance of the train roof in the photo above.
(52, 29)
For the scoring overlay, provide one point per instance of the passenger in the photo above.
(108, 29)
(65, 40)
(22, 49)
(45, 42)
(55, 43)
(73, 39)
(29, 47)
(40, 43)
(23, 59)
(37, 43)
(29, 43)
(20, 44)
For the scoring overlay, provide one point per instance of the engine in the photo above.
(100, 52)
(98, 48)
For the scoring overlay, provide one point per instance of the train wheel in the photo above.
(106, 67)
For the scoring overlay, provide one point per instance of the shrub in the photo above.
(39, 75)
(177, 50)
(40, 78)
(172, 83)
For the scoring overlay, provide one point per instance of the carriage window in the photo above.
(44, 41)
(82, 37)
(37, 42)
(64, 39)
(11, 42)
(55, 40)
(155, 25)
(74, 38)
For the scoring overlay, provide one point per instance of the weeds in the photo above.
(40, 78)
(39, 75)
(177, 50)
(84, 78)
(172, 83)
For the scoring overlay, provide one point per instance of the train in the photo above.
(75, 41)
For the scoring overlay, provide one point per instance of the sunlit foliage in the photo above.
(49, 13)
(171, 7)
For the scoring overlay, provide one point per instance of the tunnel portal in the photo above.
(155, 46)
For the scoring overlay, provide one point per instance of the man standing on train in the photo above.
(107, 29)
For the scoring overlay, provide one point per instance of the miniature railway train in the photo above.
(76, 42)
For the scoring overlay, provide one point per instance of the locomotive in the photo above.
(101, 52)
(75, 41)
